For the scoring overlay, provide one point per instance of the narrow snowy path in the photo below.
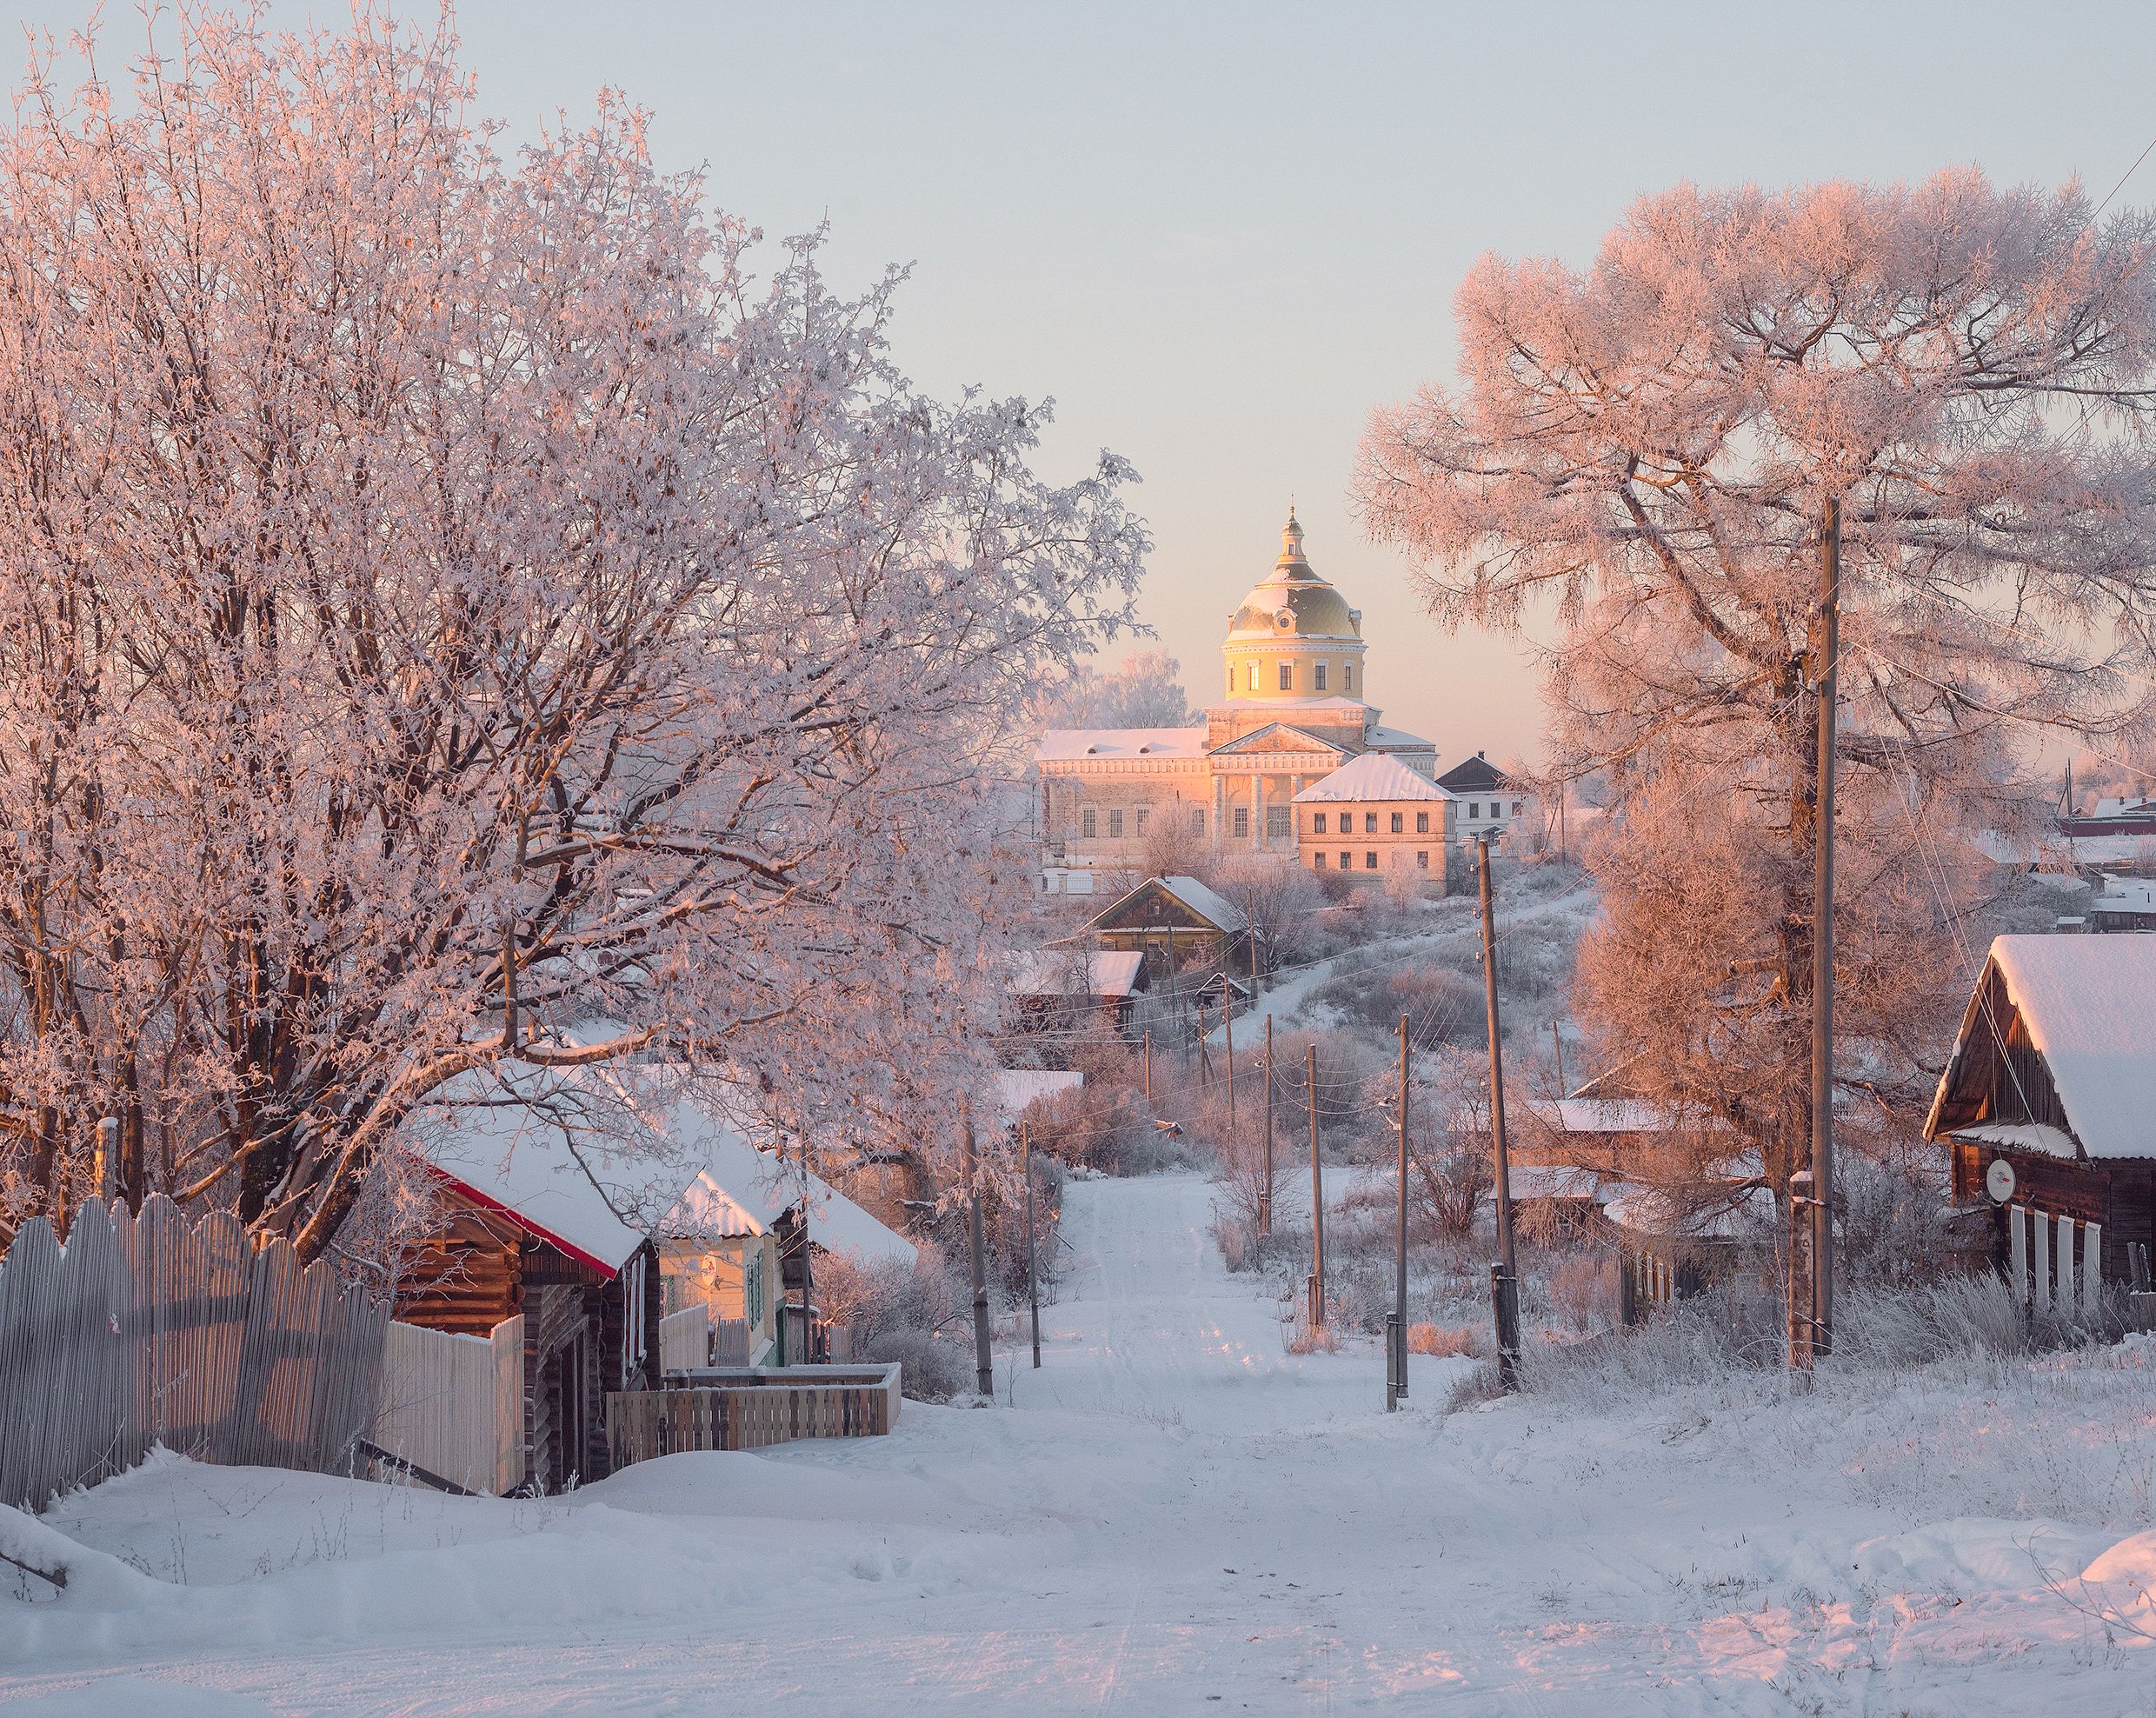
(1172, 1515)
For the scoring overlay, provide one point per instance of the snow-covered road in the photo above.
(1172, 1515)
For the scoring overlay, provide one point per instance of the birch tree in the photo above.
(455, 612)
(1641, 451)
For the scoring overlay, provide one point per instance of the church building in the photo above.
(1295, 709)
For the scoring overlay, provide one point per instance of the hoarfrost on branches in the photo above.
(454, 611)
(1650, 444)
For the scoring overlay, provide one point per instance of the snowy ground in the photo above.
(1172, 1515)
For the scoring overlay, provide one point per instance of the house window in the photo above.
(1197, 820)
(1141, 817)
(1115, 825)
(1320, 672)
(1242, 820)
(1422, 822)
(1369, 861)
(1250, 675)
(1474, 809)
(1317, 824)
(1347, 861)
(1277, 826)
(1400, 823)
(1287, 678)
(1515, 808)
(1317, 861)
(1231, 680)
(1088, 822)
(1369, 823)
(1422, 862)
(1347, 677)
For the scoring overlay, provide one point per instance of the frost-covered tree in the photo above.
(451, 610)
(1644, 450)
(1144, 690)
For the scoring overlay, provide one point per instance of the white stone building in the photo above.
(1295, 708)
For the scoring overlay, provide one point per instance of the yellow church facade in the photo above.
(1294, 709)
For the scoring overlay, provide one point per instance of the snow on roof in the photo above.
(2124, 895)
(528, 1155)
(2089, 1004)
(740, 1190)
(1550, 1181)
(2022, 1136)
(1741, 1213)
(1607, 1115)
(1060, 744)
(1015, 1087)
(2113, 806)
(1204, 902)
(1372, 776)
(1049, 972)
(1393, 739)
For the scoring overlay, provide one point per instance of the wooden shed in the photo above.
(2053, 1074)
(1176, 923)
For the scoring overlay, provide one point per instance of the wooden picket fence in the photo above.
(453, 1406)
(751, 1409)
(147, 1329)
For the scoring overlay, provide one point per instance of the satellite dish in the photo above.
(1998, 1181)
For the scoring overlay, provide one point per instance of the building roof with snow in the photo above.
(1051, 972)
(1015, 1087)
(2059, 1035)
(1215, 910)
(740, 1191)
(1371, 778)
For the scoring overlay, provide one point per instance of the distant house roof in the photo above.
(1604, 1115)
(2124, 895)
(1063, 744)
(1395, 739)
(1049, 972)
(1474, 774)
(2088, 1005)
(1015, 1087)
(1194, 897)
(1370, 777)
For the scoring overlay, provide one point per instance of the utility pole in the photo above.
(984, 1361)
(1557, 1043)
(1396, 1343)
(1504, 1274)
(1317, 1206)
(1265, 1189)
(1821, 1333)
(1033, 1268)
(1149, 1069)
(1250, 925)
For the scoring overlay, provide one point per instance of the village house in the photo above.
(1373, 818)
(1185, 932)
(2046, 1107)
(1068, 988)
(1491, 803)
(522, 1228)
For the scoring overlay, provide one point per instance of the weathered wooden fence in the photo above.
(749, 1408)
(453, 1406)
(148, 1329)
(685, 1339)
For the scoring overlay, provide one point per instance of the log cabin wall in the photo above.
(466, 1277)
(2120, 1195)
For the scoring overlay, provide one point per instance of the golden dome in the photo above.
(1293, 601)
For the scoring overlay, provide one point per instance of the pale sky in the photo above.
(1219, 234)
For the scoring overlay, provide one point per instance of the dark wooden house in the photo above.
(524, 1230)
(2053, 1074)
(1178, 925)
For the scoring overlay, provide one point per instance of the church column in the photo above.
(1220, 810)
(1257, 812)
